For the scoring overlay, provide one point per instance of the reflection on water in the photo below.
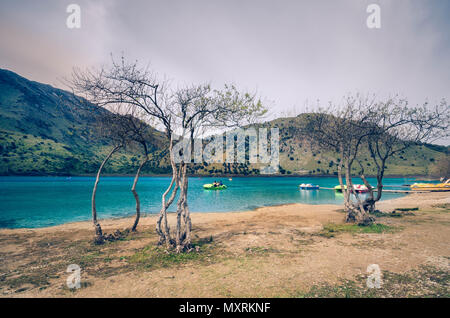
(314, 196)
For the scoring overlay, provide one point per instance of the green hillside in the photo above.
(44, 130)
(298, 158)
(48, 131)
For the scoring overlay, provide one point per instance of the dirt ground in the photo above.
(294, 250)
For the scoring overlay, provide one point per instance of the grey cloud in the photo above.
(292, 52)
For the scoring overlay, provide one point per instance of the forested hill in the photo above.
(49, 131)
(44, 130)
(297, 157)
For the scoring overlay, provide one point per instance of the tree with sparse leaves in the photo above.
(382, 128)
(183, 114)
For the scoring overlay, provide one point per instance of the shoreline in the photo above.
(408, 200)
(49, 222)
(151, 216)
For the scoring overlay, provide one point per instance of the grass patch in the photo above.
(35, 280)
(397, 213)
(330, 230)
(156, 257)
(393, 214)
(260, 250)
(426, 281)
(407, 209)
(445, 206)
(42, 264)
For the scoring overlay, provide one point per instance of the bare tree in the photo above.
(395, 126)
(180, 112)
(342, 129)
(112, 128)
(383, 128)
(196, 109)
(141, 134)
(131, 89)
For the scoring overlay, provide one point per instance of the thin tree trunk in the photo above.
(136, 196)
(187, 217)
(351, 217)
(163, 210)
(164, 235)
(180, 209)
(169, 202)
(341, 182)
(164, 232)
(369, 203)
(380, 176)
(184, 212)
(98, 229)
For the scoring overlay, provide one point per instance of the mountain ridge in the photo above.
(50, 131)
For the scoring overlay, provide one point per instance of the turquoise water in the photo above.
(45, 201)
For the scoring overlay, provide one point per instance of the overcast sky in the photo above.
(291, 52)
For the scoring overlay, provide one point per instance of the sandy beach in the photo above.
(294, 250)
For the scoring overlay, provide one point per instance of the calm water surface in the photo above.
(45, 201)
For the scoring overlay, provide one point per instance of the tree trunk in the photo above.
(355, 212)
(164, 231)
(348, 206)
(136, 196)
(180, 209)
(186, 226)
(341, 183)
(380, 176)
(98, 239)
(187, 217)
(369, 203)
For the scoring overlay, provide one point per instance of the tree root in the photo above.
(354, 215)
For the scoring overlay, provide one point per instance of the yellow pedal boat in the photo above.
(431, 187)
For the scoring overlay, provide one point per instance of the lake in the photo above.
(30, 202)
